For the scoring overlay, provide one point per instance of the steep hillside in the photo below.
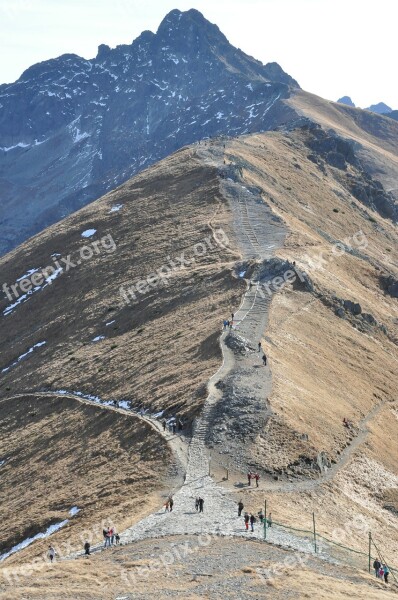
(374, 137)
(332, 343)
(71, 129)
(272, 228)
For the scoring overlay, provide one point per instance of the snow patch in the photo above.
(28, 274)
(80, 136)
(19, 145)
(74, 510)
(32, 349)
(116, 208)
(98, 338)
(88, 233)
(39, 536)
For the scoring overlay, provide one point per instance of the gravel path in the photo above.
(259, 233)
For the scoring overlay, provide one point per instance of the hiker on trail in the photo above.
(376, 566)
(231, 324)
(232, 316)
(257, 477)
(164, 422)
(261, 515)
(240, 508)
(201, 502)
(249, 478)
(174, 426)
(108, 538)
(51, 553)
(386, 573)
(246, 518)
(171, 503)
(225, 323)
(112, 536)
(180, 425)
(87, 548)
(259, 346)
(197, 504)
(104, 533)
(117, 537)
(269, 520)
(252, 521)
(264, 360)
(381, 572)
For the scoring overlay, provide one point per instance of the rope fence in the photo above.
(337, 550)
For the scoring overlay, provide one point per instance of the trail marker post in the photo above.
(313, 522)
(265, 519)
(370, 549)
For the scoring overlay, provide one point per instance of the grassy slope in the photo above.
(62, 453)
(159, 353)
(324, 368)
(161, 349)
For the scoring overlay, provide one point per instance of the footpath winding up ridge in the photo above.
(247, 381)
(220, 511)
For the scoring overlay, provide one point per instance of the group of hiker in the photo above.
(254, 476)
(250, 519)
(110, 538)
(174, 424)
(381, 571)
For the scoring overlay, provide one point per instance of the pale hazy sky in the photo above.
(332, 47)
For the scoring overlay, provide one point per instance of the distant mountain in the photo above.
(379, 108)
(346, 100)
(393, 115)
(71, 129)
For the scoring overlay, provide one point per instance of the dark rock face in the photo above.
(390, 285)
(71, 129)
(334, 150)
(371, 193)
(346, 100)
(328, 148)
(353, 307)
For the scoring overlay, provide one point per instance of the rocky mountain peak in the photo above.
(71, 128)
(380, 108)
(346, 100)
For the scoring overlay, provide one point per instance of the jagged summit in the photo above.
(72, 128)
(346, 100)
(381, 108)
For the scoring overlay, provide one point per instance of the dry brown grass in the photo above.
(159, 353)
(61, 453)
(323, 367)
(161, 349)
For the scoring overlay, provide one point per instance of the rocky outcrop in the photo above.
(372, 193)
(329, 149)
(389, 284)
